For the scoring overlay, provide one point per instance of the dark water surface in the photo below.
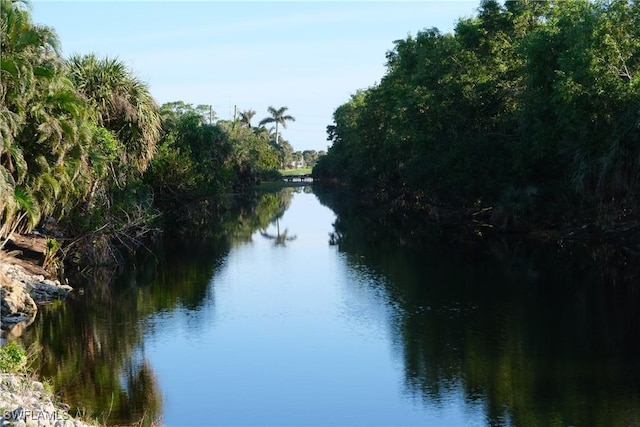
(270, 324)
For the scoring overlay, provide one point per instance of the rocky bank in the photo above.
(24, 286)
(26, 402)
(22, 292)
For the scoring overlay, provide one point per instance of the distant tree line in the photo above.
(530, 107)
(83, 142)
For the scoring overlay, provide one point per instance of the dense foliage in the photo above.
(83, 144)
(200, 157)
(46, 127)
(76, 134)
(530, 107)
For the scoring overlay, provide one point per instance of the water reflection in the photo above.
(279, 239)
(506, 331)
(538, 334)
(92, 345)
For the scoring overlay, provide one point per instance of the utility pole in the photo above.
(235, 112)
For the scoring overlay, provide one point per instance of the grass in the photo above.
(269, 186)
(300, 171)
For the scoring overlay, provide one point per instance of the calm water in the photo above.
(270, 324)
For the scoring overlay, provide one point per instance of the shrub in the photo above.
(13, 357)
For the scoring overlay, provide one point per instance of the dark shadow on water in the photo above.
(538, 333)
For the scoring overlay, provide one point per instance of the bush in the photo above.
(13, 357)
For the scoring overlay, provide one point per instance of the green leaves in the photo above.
(201, 159)
(28, 204)
(279, 118)
(525, 95)
(123, 103)
(41, 120)
(13, 357)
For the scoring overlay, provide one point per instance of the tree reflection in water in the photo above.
(538, 334)
(92, 343)
(279, 239)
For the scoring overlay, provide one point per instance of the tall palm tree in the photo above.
(278, 117)
(246, 116)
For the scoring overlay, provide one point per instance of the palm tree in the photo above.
(246, 116)
(44, 129)
(278, 117)
(22, 50)
(124, 104)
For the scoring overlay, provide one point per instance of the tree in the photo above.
(530, 106)
(124, 104)
(246, 116)
(279, 118)
(207, 113)
(45, 127)
(198, 159)
(284, 150)
(310, 157)
(118, 210)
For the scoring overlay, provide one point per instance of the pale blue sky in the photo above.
(309, 56)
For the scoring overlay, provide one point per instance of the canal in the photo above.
(304, 312)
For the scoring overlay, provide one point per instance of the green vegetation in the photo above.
(278, 117)
(297, 171)
(530, 110)
(13, 358)
(84, 146)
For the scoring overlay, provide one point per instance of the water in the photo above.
(271, 324)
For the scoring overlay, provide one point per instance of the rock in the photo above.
(25, 402)
(17, 304)
(30, 405)
(12, 331)
(21, 292)
(44, 291)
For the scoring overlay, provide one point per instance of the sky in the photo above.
(309, 56)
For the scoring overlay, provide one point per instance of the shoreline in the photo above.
(479, 222)
(24, 401)
(25, 285)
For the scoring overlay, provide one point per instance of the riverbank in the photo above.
(25, 401)
(413, 211)
(26, 285)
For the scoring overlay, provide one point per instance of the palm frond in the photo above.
(266, 120)
(27, 203)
